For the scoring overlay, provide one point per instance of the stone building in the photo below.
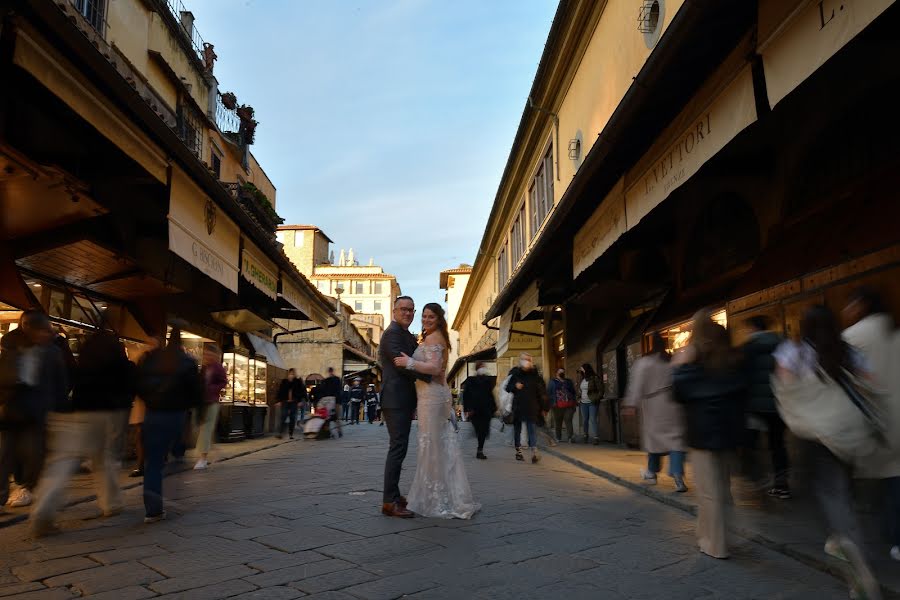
(367, 289)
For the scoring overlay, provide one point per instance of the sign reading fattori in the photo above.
(815, 34)
(704, 131)
(708, 132)
(262, 276)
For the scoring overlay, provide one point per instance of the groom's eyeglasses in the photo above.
(410, 311)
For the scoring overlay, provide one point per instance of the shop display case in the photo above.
(245, 400)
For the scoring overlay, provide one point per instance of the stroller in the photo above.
(317, 427)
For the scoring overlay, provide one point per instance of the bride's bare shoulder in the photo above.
(435, 339)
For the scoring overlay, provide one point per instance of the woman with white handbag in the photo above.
(822, 397)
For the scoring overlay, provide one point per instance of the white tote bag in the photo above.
(818, 409)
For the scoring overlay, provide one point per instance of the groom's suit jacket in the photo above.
(398, 390)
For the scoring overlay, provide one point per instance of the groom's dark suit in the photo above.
(398, 402)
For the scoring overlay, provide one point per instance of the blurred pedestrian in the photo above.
(136, 420)
(372, 402)
(561, 392)
(215, 379)
(357, 397)
(759, 365)
(33, 381)
(328, 393)
(663, 424)
(479, 404)
(529, 403)
(170, 384)
(707, 379)
(291, 393)
(821, 361)
(589, 395)
(344, 401)
(872, 332)
(101, 397)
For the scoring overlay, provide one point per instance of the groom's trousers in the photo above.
(398, 423)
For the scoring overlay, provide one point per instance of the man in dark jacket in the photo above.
(759, 364)
(169, 383)
(529, 403)
(38, 383)
(103, 391)
(291, 393)
(479, 404)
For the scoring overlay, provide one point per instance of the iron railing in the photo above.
(226, 118)
(178, 10)
(191, 130)
(94, 12)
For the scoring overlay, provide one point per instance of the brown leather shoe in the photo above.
(393, 509)
(402, 501)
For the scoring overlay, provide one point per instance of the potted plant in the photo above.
(229, 100)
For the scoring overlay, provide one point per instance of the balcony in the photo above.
(256, 204)
(186, 19)
(227, 119)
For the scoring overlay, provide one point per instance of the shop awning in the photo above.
(516, 336)
(796, 38)
(266, 348)
(241, 320)
(64, 80)
(481, 355)
(258, 270)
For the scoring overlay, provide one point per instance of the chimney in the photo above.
(187, 22)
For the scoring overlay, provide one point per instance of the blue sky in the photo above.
(386, 123)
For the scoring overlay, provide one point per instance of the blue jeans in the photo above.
(588, 413)
(517, 432)
(160, 430)
(676, 462)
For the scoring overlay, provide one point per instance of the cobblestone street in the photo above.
(301, 520)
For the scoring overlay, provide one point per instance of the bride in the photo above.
(440, 487)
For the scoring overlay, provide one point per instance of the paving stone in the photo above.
(70, 549)
(334, 581)
(389, 588)
(47, 594)
(125, 554)
(271, 593)
(19, 588)
(248, 533)
(49, 568)
(306, 538)
(134, 592)
(225, 589)
(287, 560)
(201, 579)
(331, 596)
(369, 549)
(298, 573)
(105, 578)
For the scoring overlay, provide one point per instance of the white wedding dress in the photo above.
(440, 488)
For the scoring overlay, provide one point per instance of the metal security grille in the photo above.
(191, 130)
(94, 12)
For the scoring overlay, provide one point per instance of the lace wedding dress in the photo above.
(440, 487)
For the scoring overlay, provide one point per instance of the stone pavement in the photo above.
(301, 520)
(792, 527)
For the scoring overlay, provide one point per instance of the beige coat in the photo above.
(874, 336)
(663, 425)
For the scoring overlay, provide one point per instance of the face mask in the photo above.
(525, 364)
(481, 371)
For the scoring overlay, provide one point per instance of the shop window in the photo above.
(94, 12)
(725, 236)
(540, 192)
(216, 161)
(502, 268)
(517, 237)
(679, 336)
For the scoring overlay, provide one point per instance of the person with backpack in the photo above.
(33, 381)
(170, 384)
(589, 394)
(561, 391)
(101, 397)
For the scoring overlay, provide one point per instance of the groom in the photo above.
(398, 401)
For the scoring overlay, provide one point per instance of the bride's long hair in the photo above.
(442, 327)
